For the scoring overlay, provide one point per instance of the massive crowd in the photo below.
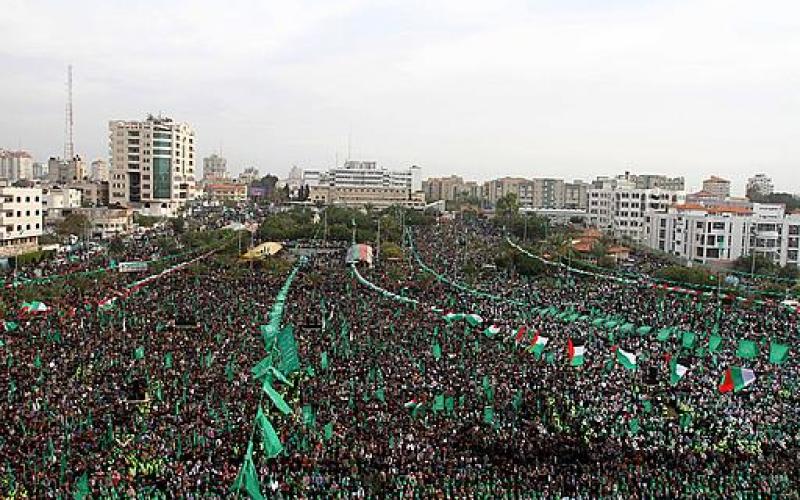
(155, 396)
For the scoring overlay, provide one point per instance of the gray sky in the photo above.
(565, 88)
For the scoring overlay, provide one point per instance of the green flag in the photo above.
(488, 414)
(688, 339)
(139, 353)
(81, 490)
(685, 420)
(437, 352)
(633, 425)
(714, 342)
(328, 431)
(276, 398)
(778, 353)
(438, 402)
(272, 444)
(309, 419)
(323, 361)
(747, 349)
(168, 360)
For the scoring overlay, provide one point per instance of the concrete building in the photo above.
(652, 181)
(760, 185)
(618, 207)
(542, 193)
(294, 179)
(21, 222)
(497, 188)
(249, 175)
(449, 188)
(108, 222)
(57, 201)
(152, 165)
(61, 171)
(361, 196)
(720, 235)
(215, 168)
(99, 171)
(16, 165)
(228, 191)
(366, 174)
(39, 171)
(557, 216)
(576, 195)
(93, 194)
(717, 187)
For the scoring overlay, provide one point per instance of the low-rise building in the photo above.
(360, 197)
(57, 201)
(228, 191)
(108, 222)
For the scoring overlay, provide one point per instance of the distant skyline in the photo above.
(568, 88)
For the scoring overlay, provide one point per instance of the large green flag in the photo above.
(714, 342)
(747, 349)
(778, 353)
(688, 339)
(663, 334)
(276, 398)
(247, 476)
(288, 347)
(272, 444)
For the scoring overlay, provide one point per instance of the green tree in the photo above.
(73, 223)
(507, 207)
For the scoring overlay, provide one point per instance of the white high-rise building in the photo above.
(15, 165)
(618, 207)
(366, 174)
(152, 165)
(760, 184)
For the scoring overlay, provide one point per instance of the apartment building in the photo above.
(215, 168)
(449, 188)
(20, 220)
(16, 165)
(720, 235)
(152, 165)
(618, 207)
(717, 186)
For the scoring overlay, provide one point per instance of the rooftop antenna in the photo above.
(349, 134)
(69, 146)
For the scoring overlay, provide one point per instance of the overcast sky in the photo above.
(565, 88)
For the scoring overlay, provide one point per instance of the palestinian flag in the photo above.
(677, 369)
(538, 344)
(575, 353)
(519, 333)
(106, 304)
(626, 359)
(492, 331)
(736, 379)
(34, 307)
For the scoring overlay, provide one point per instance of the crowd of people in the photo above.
(155, 396)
